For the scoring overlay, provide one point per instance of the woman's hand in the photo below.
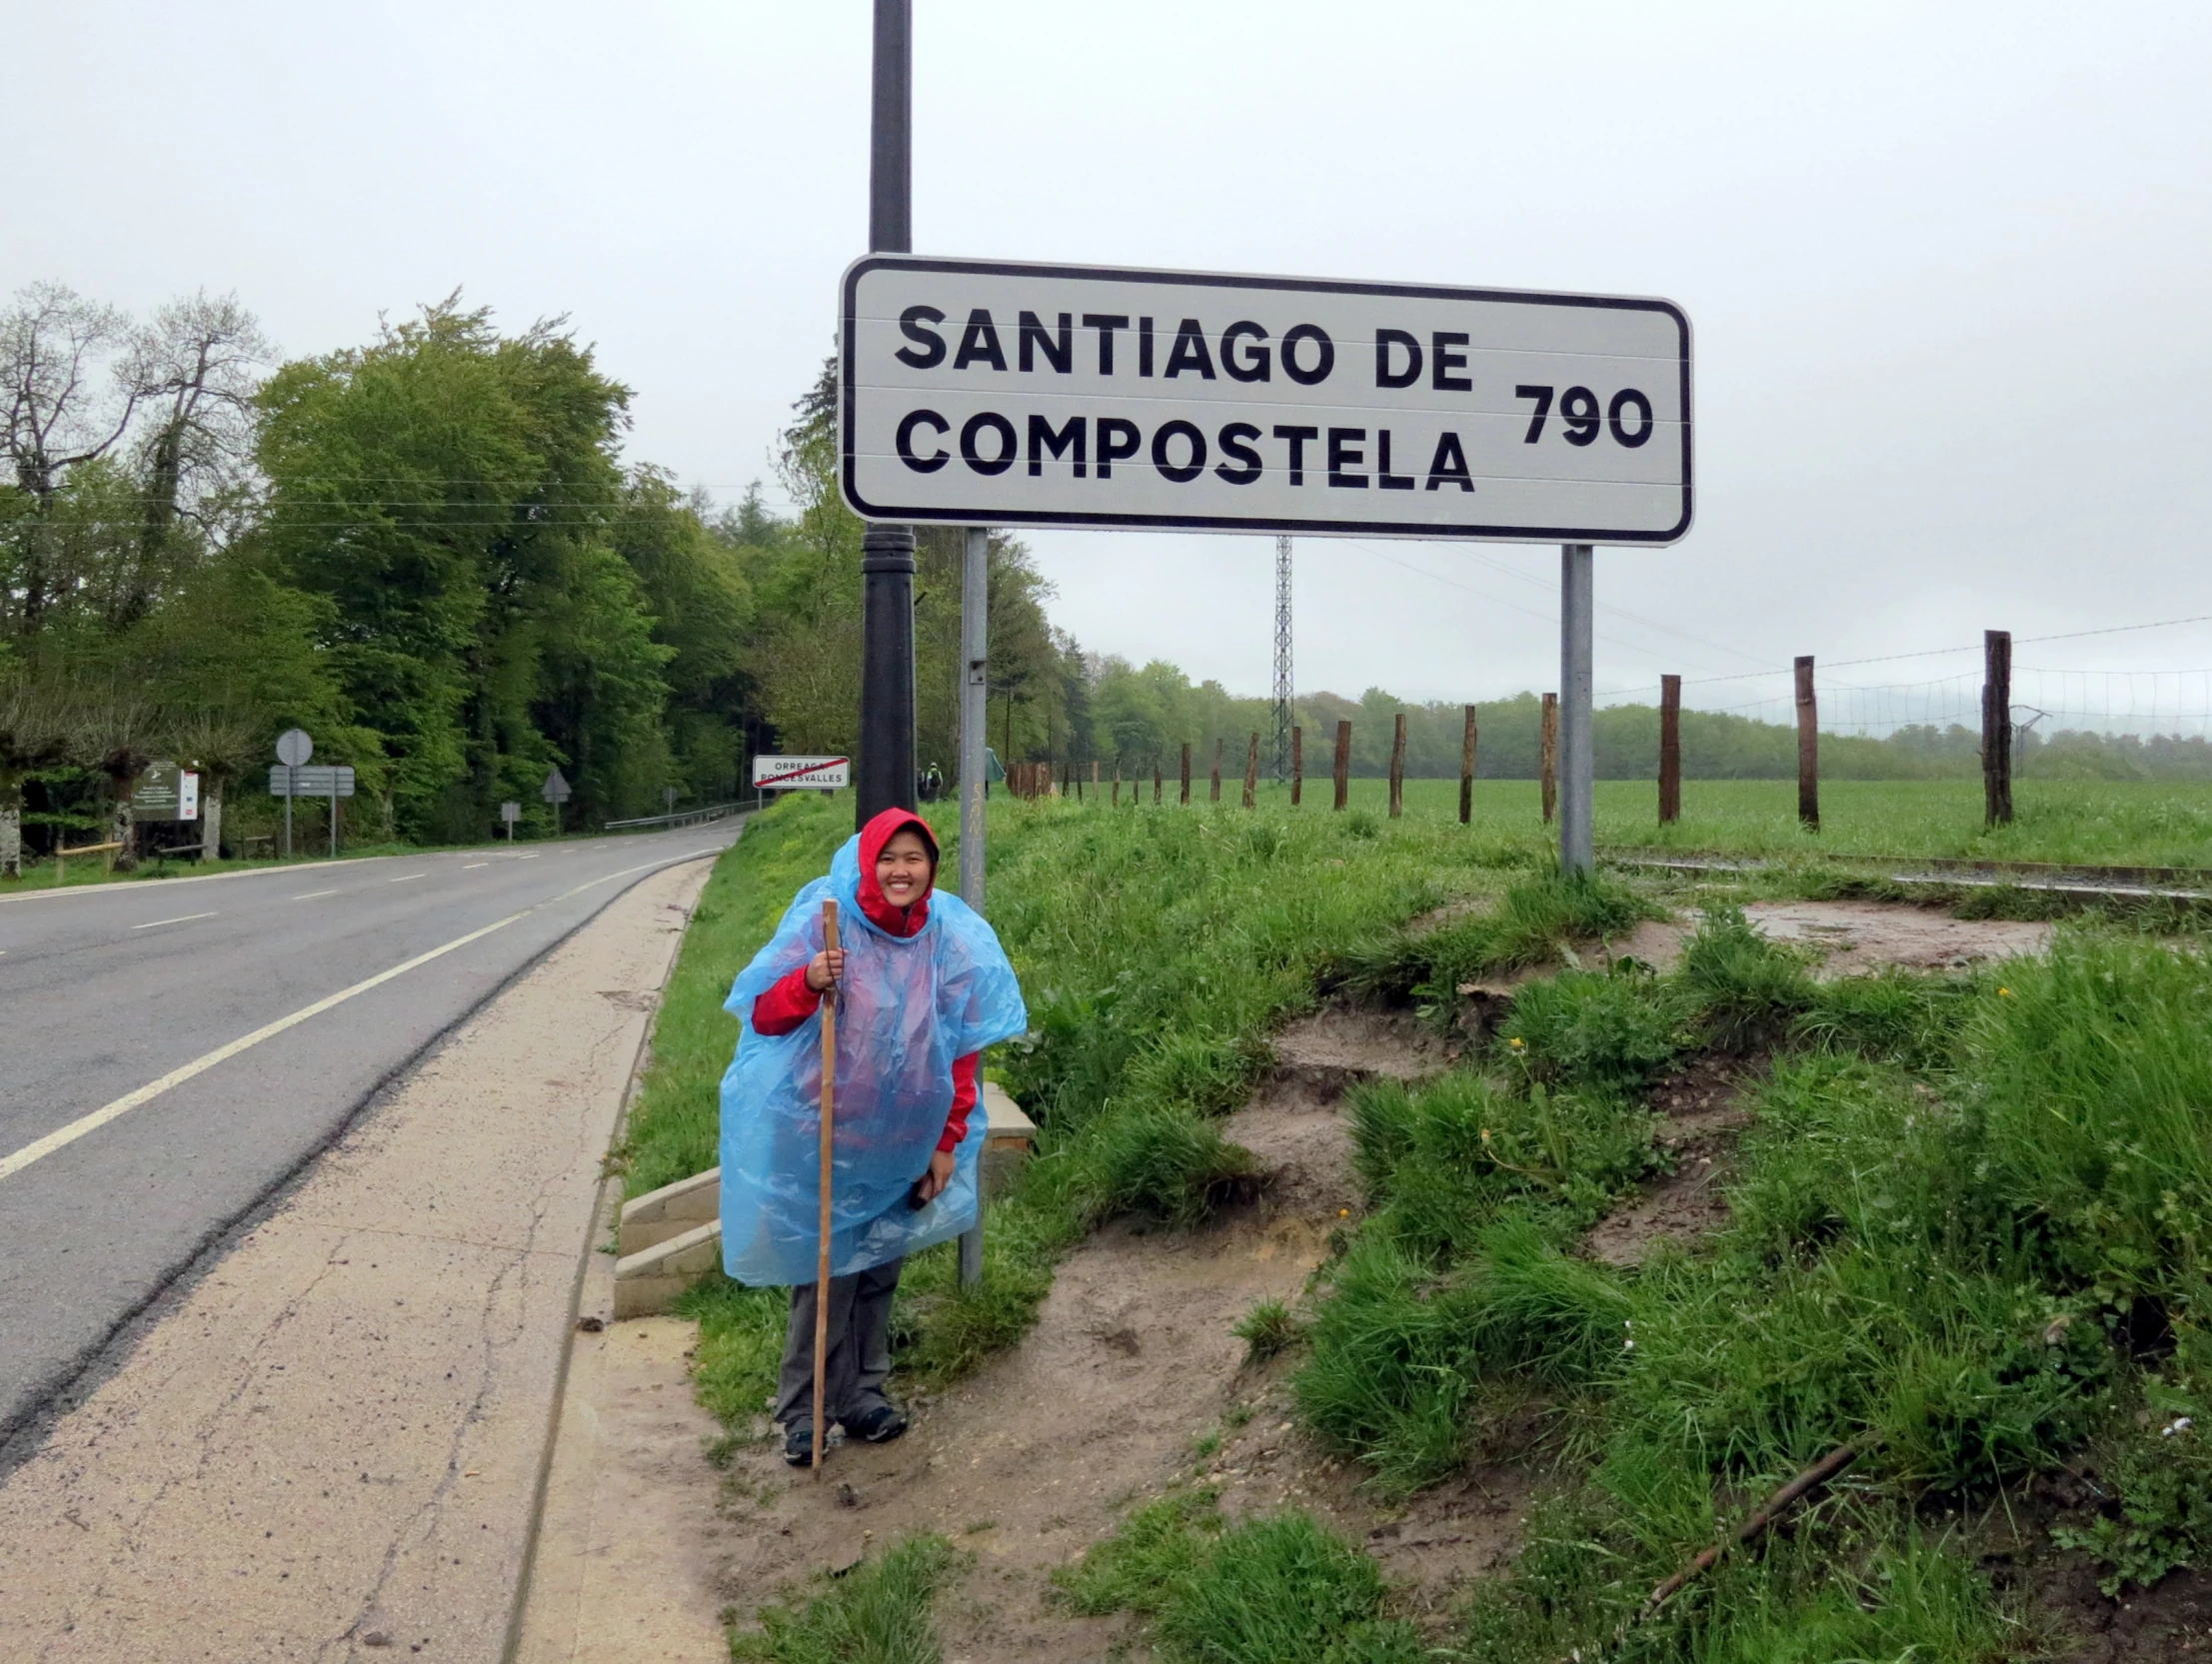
(931, 1184)
(825, 969)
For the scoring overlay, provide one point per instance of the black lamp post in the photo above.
(885, 777)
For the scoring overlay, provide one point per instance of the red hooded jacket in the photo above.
(790, 1001)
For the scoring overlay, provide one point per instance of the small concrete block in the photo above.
(1006, 1126)
(648, 1282)
(657, 1215)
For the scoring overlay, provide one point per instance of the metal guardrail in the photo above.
(685, 818)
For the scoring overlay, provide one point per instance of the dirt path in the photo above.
(1131, 1364)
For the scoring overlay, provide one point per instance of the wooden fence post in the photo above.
(1251, 774)
(1298, 764)
(1216, 789)
(1547, 753)
(1670, 749)
(1808, 748)
(1186, 774)
(1397, 769)
(1467, 770)
(1157, 783)
(1996, 726)
(1344, 763)
(1117, 783)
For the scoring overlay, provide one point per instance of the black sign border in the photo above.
(848, 459)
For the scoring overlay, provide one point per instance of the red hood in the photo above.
(893, 921)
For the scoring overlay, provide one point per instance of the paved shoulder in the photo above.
(333, 1440)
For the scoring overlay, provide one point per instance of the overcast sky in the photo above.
(1946, 265)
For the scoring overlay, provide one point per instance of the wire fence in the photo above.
(2150, 702)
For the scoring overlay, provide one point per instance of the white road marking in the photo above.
(405, 877)
(528, 858)
(313, 895)
(62, 1136)
(474, 864)
(181, 919)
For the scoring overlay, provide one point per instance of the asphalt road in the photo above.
(115, 1173)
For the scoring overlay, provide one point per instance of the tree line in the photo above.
(430, 551)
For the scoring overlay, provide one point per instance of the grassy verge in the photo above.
(1967, 1239)
(1157, 949)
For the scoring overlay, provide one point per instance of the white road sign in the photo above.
(801, 774)
(1002, 393)
(320, 780)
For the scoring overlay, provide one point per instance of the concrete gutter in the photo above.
(334, 1446)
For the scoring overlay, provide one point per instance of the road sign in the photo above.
(996, 393)
(801, 774)
(509, 813)
(556, 789)
(294, 747)
(188, 795)
(158, 794)
(324, 779)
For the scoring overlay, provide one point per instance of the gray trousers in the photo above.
(860, 1347)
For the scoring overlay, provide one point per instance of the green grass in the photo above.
(1967, 1237)
(2096, 822)
(876, 1613)
(1275, 1590)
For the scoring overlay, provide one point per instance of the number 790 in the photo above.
(1580, 423)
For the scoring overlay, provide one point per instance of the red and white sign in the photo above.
(801, 774)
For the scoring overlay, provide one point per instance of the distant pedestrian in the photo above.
(923, 987)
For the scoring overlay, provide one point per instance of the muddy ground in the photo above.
(1133, 1378)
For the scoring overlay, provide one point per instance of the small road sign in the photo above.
(509, 813)
(556, 789)
(294, 747)
(801, 774)
(323, 780)
(1004, 393)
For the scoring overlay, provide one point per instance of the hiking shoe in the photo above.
(879, 1425)
(799, 1444)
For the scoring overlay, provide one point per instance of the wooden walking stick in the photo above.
(829, 1118)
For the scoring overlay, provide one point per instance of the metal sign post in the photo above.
(1576, 758)
(556, 792)
(975, 687)
(293, 748)
(509, 813)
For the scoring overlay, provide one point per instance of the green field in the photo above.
(2119, 824)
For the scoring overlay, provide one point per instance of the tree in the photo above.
(66, 398)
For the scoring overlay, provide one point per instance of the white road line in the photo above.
(314, 894)
(474, 864)
(181, 919)
(529, 857)
(62, 1136)
(405, 877)
(670, 861)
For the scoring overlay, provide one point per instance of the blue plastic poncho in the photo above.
(910, 1007)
